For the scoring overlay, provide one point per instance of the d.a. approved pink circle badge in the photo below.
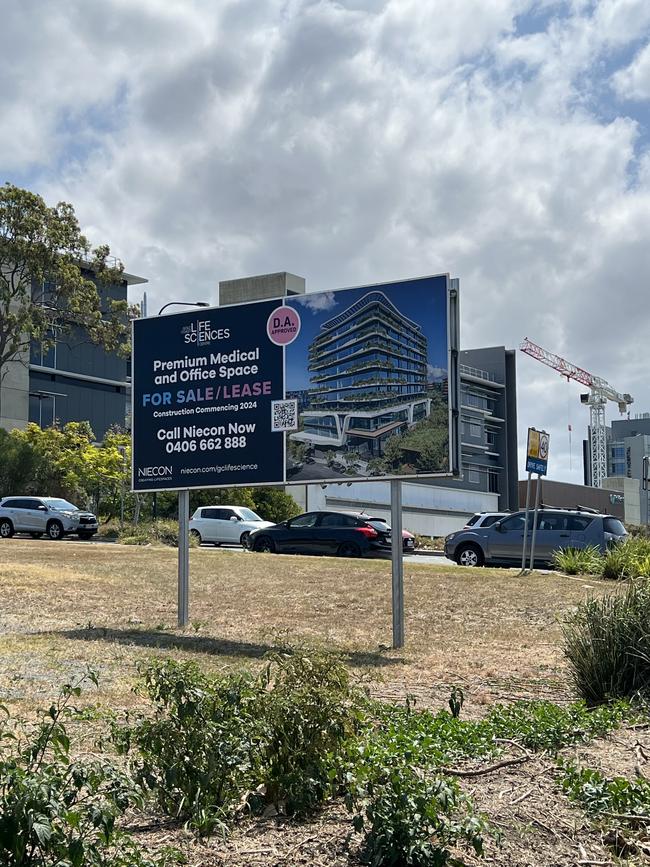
(283, 325)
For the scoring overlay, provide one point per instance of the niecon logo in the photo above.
(201, 333)
(154, 472)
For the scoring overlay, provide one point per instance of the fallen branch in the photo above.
(479, 772)
(523, 797)
(628, 817)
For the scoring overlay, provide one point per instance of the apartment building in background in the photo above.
(372, 358)
(74, 380)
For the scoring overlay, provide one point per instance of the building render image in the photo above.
(369, 378)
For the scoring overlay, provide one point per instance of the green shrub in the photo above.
(58, 811)
(627, 799)
(409, 813)
(153, 533)
(579, 561)
(213, 740)
(410, 818)
(607, 644)
(309, 713)
(198, 753)
(542, 725)
(628, 560)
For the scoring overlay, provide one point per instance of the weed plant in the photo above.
(58, 811)
(309, 713)
(153, 533)
(214, 741)
(626, 800)
(579, 561)
(630, 559)
(198, 752)
(607, 644)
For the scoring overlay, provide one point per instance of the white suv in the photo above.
(50, 515)
(231, 525)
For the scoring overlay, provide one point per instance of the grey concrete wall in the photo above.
(260, 287)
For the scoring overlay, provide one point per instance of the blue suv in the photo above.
(502, 542)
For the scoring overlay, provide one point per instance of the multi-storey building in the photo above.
(369, 377)
(73, 380)
(488, 406)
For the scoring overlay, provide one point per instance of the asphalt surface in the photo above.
(98, 540)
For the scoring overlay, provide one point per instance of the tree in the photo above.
(46, 290)
(274, 504)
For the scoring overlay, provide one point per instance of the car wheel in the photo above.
(55, 530)
(349, 549)
(196, 535)
(469, 555)
(36, 535)
(6, 529)
(243, 539)
(265, 545)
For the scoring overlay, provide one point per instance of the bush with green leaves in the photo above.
(607, 644)
(56, 811)
(628, 800)
(413, 818)
(280, 737)
(310, 712)
(630, 559)
(153, 533)
(198, 753)
(579, 561)
(408, 811)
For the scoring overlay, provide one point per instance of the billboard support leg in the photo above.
(183, 557)
(398, 562)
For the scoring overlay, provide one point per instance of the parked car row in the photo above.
(501, 541)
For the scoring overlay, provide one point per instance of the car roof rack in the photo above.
(577, 508)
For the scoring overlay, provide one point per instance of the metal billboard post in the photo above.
(183, 557)
(397, 562)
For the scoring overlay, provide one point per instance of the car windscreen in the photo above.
(489, 520)
(614, 526)
(472, 520)
(59, 505)
(248, 514)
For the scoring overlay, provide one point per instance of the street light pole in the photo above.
(183, 304)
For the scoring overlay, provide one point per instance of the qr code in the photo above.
(284, 415)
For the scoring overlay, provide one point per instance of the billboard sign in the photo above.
(537, 451)
(338, 386)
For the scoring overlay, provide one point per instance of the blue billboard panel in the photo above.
(340, 386)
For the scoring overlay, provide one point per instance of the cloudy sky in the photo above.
(507, 142)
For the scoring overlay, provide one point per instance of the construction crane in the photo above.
(600, 391)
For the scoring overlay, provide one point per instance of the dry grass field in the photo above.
(66, 605)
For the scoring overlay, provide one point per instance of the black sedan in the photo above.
(323, 533)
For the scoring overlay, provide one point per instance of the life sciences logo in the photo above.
(202, 333)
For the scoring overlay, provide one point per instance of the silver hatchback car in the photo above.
(501, 543)
(51, 516)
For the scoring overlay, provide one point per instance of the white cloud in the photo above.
(318, 302)
(633, 82)
(358, 141)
